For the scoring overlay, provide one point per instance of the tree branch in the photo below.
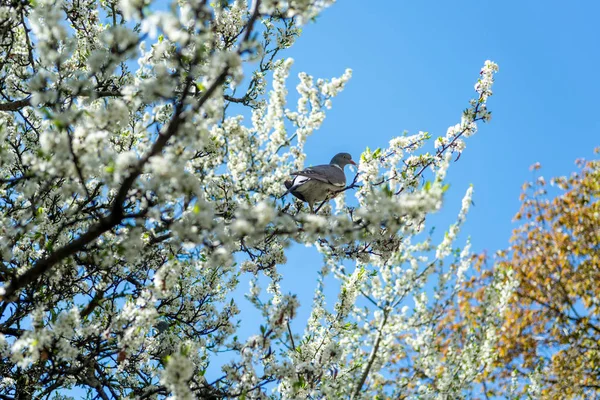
(14, 105)
(372, 356)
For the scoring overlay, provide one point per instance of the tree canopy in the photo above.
(549, 342)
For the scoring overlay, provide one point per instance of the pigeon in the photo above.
(315, 184)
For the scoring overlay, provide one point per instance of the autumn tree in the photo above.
(549, 344)
(134, 195)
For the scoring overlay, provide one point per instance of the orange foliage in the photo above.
(553, 318)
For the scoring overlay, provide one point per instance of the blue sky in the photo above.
(415, 64)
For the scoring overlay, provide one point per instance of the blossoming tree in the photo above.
(134, 195)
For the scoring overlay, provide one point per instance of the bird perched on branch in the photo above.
(315, 184)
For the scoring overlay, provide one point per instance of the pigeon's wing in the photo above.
(311, 173)
(330, 174)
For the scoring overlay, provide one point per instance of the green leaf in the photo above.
(58, 124)
(362, 272)
(46, 112)
(348, 326)
(299, 383)
(53, 315)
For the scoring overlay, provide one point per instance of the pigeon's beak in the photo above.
(352, 162)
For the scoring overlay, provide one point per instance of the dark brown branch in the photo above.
(252, 20)
(14, 105)
(234, 99)
(93, 304)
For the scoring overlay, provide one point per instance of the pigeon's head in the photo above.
(342, 159)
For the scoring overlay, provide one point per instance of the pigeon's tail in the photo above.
(288, 185)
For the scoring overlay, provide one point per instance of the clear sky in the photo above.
(415, 64)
